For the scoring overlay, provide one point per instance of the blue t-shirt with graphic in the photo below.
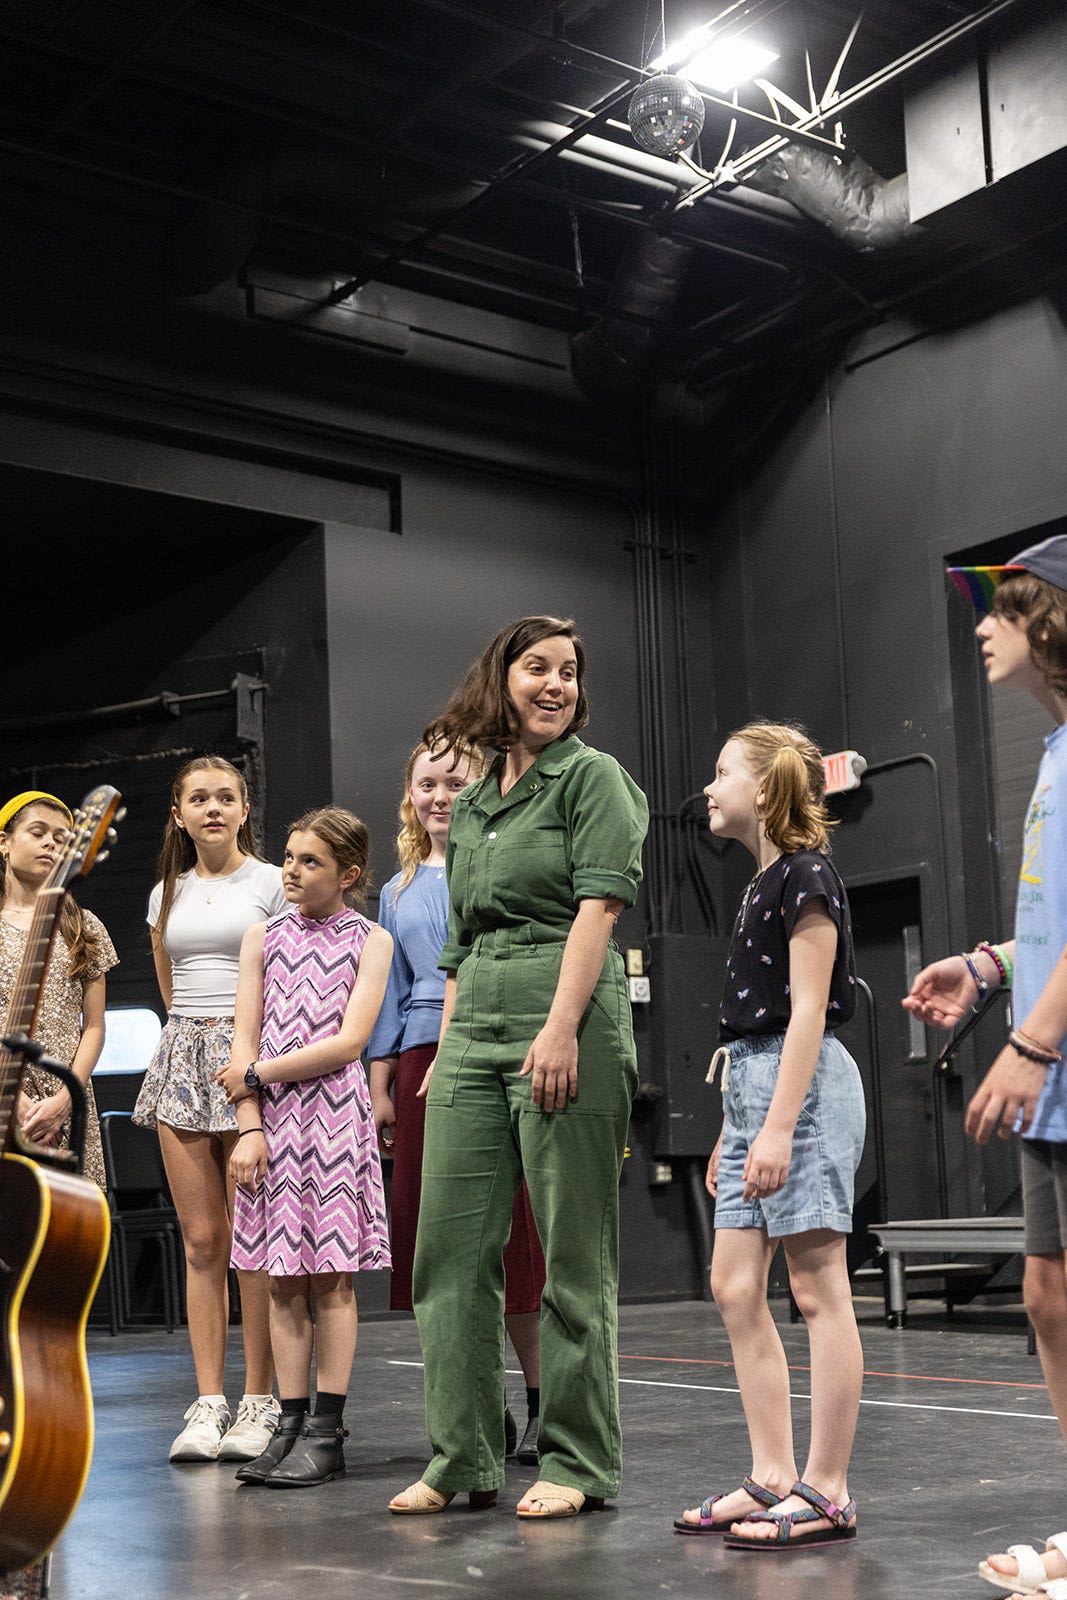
(1041, 918)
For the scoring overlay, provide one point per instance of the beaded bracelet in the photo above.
(979, 982)
(1046, 1049)
(1000, 959)
(1038, 1056)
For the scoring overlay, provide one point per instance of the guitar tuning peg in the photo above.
(120, 814)
(102, 855)
(111, 836)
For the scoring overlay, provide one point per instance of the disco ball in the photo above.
(666, 115)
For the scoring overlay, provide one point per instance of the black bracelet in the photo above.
(257, 1129)
(1040, 1060)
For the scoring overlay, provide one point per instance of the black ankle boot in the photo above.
(511, 1433)
(282, 1441)
(527, 1449)
(316, 1457)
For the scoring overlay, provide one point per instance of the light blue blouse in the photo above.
(414, 997)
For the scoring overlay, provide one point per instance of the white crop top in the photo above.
(208, 919)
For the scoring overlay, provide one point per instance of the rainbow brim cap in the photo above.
(980, 584)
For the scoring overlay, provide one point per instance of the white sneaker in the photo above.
(253, 1428)
(206, 1422)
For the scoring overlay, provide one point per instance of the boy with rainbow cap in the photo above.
(1023, 634)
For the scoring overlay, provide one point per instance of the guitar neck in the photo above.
(25, 1002)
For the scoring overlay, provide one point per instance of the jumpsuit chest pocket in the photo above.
(534, 861)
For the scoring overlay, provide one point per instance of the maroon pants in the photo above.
(524, 1263)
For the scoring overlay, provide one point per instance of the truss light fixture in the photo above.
(719, 64)
(725, 64)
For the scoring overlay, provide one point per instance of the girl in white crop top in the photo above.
(213, 886)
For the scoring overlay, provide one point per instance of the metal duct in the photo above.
(846, 195)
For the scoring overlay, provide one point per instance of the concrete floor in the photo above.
(957, 1454)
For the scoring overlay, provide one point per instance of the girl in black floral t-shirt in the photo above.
(793, 1130)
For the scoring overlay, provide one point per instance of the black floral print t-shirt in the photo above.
(756, 994)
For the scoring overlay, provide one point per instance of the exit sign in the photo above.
(843, 770)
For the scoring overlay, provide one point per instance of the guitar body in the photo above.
(54, 1234)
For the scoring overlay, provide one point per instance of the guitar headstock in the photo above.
(93, 827)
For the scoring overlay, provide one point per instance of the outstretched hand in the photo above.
(943, 993)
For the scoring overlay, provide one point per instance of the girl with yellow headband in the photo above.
(33, 830)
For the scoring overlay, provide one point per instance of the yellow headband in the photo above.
(16, 804)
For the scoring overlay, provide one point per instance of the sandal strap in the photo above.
(706, 1505)
(1057, 1541)
(838, 1516)
(784, 1520)
(763, 1496)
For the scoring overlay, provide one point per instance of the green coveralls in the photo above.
(571, 829)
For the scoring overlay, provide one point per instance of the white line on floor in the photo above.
(898, 1405)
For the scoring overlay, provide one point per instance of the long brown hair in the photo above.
(413, 843)
(178, 852)
(480, 710)
(1043, 607)
(81, 942)
(789, 767)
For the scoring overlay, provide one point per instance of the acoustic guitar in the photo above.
(54, 1234)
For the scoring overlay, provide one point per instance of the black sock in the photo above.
(533, 1401)
(329, 1405)
(295, 1408)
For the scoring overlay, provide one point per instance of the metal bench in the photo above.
(992, 1236)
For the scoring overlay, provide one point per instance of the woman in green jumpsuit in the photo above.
(534, 1076)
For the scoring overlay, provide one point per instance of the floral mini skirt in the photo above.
(178, 1088)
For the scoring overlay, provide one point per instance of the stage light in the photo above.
(719, 64)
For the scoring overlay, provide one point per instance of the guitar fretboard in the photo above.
(26, 998)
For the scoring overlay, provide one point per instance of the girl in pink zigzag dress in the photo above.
(310, 1207)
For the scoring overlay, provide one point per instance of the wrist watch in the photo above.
(252, 1077)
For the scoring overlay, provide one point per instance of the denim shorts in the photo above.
(827, 1141)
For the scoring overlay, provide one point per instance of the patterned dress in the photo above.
(59, 1023)
(321, 1207)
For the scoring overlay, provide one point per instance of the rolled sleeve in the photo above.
(608, 820)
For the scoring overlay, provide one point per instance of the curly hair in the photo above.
(1043, 607)
(413, 843)
(81, 942)
(789, 766)
(480, 711)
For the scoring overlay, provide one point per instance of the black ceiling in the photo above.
(163, 149)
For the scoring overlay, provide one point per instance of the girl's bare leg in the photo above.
(739, 1269)
(336, 1331)
(195, 1164)
(818, 1277)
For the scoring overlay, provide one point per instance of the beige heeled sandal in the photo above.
(557, 1500)
(419, 1500)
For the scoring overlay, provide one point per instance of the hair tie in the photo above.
(28, 796)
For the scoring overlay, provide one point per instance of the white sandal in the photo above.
(1031, 1577)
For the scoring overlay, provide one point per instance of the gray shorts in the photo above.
(1044, 1172)
(827, 1141)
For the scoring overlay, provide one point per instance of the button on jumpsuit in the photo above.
(572, 828)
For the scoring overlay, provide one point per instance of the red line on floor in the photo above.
(869, 1372)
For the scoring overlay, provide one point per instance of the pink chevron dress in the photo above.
(321, 1207)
